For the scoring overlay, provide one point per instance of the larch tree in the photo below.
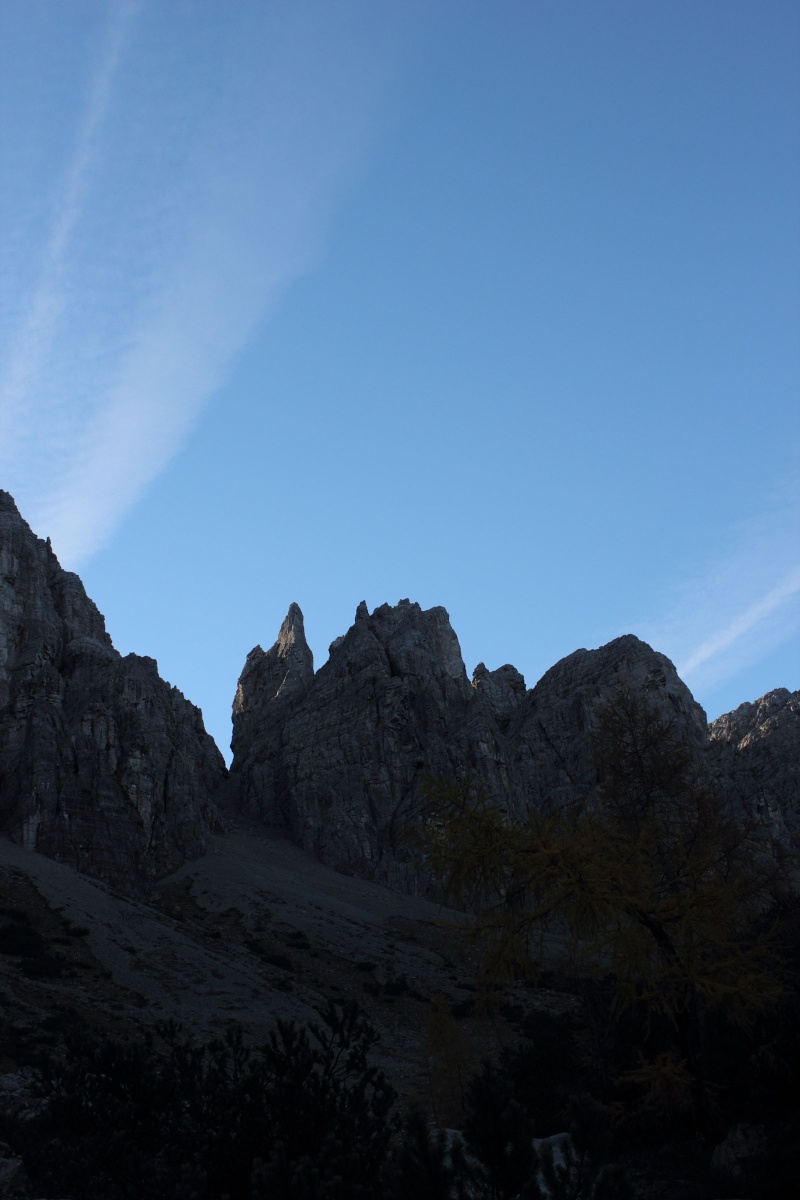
(656, 883)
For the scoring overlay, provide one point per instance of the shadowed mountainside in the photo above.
(102, 764)
(105, 766)
(340, 758)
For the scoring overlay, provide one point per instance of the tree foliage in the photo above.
(303, 1117)
(658, 884)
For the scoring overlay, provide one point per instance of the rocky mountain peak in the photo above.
(105, 766)
(102, 763)
(594, 674)
(343, 764)
(756, 748)
(751, 723)
(417, 642)
(292, 634)
(279, 676)
(344, 751)
(503, 688)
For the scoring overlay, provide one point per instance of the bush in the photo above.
(303, 1117)
(22, 940)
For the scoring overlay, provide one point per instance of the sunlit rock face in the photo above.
(340, 758)
(756, 751)
(102, 764)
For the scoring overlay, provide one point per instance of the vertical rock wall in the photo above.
(340, 758)
(756, 750)
(102, 764)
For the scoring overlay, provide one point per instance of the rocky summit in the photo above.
(191, 929)
(340, 758)
(103, 765)
(106, 767)
(757, 751)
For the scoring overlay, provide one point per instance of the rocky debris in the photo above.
(254, 931)
(12, 1172)
(743, 1146)
(340, 758)
(102, 764)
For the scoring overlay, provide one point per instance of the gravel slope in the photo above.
(255, 930)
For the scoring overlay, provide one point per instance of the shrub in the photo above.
(22, 940)
(303, 1116)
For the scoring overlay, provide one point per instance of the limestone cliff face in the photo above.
(340, 758)
(337, 757)
(756, 751)
(102, 763)
(552, 736)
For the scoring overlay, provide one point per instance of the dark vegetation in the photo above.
(680, 933)
(20, 940)
(303, 1116)
(681, 963)
(307, 1116)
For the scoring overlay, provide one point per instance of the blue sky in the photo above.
(489, 305)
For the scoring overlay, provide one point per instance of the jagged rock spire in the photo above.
(340, 758)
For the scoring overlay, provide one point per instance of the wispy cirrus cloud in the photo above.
(41, 311)
(743, 605)
(208, 155)
(751, 621)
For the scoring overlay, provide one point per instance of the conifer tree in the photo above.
(658, 883)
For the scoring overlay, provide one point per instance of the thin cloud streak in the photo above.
(745, 623)
(35, 338)
(742, 607)
(204, 242)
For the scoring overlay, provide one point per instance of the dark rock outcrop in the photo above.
(102, 764)
(756, 752)
(105, 766)
(339, 758)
